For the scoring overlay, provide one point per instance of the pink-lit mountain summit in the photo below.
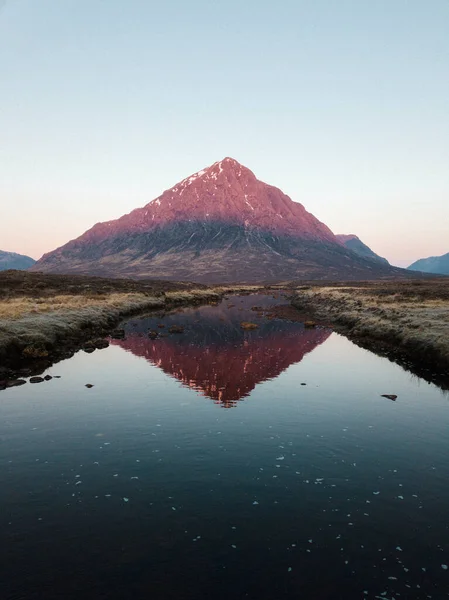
(219, 225)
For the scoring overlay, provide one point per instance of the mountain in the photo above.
(434, 264)
(11, 260)
(219, 225)
(354, 243)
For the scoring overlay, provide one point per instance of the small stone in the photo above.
(176, 329)
(48, 377)
(89, 385)
(389, 396)
(36, 379)
(247, 325)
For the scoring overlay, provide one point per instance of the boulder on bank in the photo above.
(118, 334)
(8, 383)
(96, 344)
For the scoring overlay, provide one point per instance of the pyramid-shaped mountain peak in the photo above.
(221, 169)
(220, 224)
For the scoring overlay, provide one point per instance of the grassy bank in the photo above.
(44, 318)
(406, 321)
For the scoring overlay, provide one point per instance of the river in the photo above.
(225, 463)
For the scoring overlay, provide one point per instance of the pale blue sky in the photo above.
(343, 104)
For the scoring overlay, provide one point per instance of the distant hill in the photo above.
(11, 260)
(434, 264)
(219, 225)
(355, 244)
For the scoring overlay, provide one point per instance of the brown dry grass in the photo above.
(412, 318)
(17, 308)
(46, 311)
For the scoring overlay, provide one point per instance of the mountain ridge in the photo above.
(12, 260)
(438, 265)
(354, 243)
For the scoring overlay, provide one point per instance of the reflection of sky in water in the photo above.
(299, 491)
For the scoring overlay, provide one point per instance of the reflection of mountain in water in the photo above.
(215, 356)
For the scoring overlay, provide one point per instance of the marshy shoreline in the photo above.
(47, 318)
(405, 321)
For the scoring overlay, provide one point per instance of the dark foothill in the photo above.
(89, 385)
(48, 377)
(176, 329)
(389, 396)
(153, 334)
(36, 379)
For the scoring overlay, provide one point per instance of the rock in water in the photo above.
(176, 329)
(248, 325)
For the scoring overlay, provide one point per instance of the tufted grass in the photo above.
(413, 321)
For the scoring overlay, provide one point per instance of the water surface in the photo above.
(200, 466)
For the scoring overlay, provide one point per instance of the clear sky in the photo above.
(343, 104)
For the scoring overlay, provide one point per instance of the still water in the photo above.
(222, 463)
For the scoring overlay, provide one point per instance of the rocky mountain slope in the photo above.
(355, 244)
(219, 225)
(434, 264)
(11, 260)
